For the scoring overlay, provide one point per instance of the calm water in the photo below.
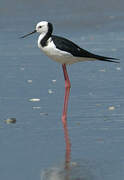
(34, 148)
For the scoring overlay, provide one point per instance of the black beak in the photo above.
(28, 34)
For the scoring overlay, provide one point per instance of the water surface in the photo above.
(34, 145)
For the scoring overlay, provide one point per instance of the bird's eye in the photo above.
(40, 26)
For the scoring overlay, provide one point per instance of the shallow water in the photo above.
(34, 147)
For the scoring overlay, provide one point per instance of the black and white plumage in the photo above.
(63, 50)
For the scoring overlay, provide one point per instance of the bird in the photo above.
(65, 52)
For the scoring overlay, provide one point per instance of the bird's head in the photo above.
(42, 27)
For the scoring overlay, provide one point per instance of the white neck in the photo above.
(40, 38)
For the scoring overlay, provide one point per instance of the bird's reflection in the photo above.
(70, 170)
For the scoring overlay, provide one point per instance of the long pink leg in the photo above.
(64, 117)
(67, 92)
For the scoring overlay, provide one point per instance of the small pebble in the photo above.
(74, 163)
(29, 81)
(54, 80)
(111, 108)
(10, 120)
(22, 68)
(50, 91)
(43, 114)
(34, 100)
(36, 107)
(118, 68)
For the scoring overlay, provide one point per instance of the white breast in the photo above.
(50, 50)
(60, 56)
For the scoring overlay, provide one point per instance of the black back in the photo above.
(70, 47)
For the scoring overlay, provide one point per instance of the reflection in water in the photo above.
(82, 169)
(75, 172)
(69, 170)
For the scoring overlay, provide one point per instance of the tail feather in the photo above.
(108, 59)
(87, 54)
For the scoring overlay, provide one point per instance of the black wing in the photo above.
(70, 47)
